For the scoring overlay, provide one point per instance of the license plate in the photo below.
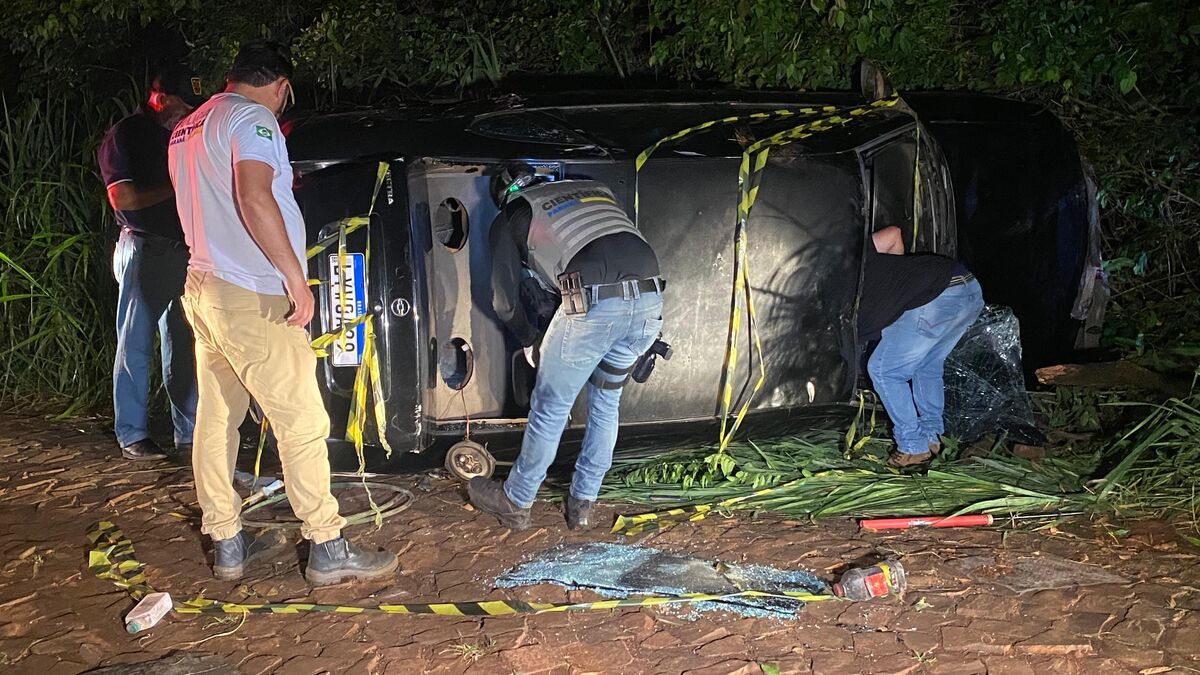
(347, 301)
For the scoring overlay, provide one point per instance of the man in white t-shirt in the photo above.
(248, 300)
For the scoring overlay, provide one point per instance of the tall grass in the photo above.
(56, 288)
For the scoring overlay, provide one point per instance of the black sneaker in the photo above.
(579, 513)
(338, 560)
(231, 556)
(488, 496)
(143, 449)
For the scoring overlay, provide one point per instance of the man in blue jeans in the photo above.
(150, 263)
(917, 306)
(573, 240)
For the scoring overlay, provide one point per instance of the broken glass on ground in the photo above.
(984, 384)
(615, 570)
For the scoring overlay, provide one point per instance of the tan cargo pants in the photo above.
(244, 348)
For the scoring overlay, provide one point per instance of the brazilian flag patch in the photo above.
(263, 132)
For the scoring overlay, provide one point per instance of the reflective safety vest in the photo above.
(567, 216)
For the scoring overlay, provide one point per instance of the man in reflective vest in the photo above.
(572, 239)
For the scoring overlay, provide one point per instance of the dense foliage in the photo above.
(1124, 75)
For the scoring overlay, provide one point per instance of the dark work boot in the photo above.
(579, 513)
(338, 560)
(488, 496)
(231, 556)
(143, 449)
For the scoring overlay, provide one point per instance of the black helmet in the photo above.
(510, 178)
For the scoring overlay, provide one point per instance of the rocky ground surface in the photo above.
(56, 478)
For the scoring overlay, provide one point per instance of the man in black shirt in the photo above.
(917, 306)
(568, 239)
(150, 264)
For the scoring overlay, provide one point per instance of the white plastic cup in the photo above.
(148, 612)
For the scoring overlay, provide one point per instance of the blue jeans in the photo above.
(150, 272)
(615, 331)
(913, 350)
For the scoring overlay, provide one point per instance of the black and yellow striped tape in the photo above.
(750, 170)
(754, 161)
(751, 118)
(112, 558)
(368, 375)
(659, 520)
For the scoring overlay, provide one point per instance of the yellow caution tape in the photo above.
(321, 343)
(263, 426)
(852, 431)
(661, 520)
(752, 118)
(369, 375)
(345, 227)
(754, 161)
(741, 289)
(112, 558)
(369, 372)
(348, 225)
(741, 259)
(642, 522)
(753, 164)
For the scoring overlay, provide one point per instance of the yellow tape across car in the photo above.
(112, 558)
(753, 164)
(369, 373)
(750, 171)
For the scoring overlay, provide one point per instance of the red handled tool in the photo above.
(950, 521)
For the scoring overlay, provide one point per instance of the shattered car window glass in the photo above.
(985, 390)
(526, 127)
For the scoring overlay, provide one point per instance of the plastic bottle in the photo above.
(876, 581)
(148, 612)
(263, 493)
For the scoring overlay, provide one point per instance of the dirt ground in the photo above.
(56, 478)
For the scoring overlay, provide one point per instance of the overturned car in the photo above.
(998, 183)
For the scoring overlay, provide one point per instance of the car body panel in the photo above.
(819, 199)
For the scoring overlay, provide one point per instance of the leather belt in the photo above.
(626, 288)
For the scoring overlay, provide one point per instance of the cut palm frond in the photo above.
(1156, 472)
